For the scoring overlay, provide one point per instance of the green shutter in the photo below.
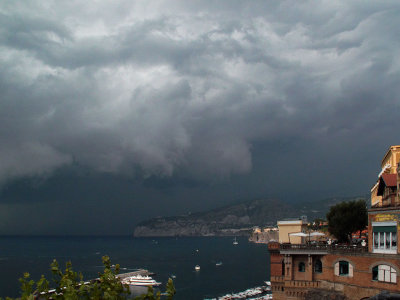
(384, 229)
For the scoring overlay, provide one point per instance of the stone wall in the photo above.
(320, 294)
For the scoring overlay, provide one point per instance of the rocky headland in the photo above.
(234, 220)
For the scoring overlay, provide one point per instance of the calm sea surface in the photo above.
(243, 266)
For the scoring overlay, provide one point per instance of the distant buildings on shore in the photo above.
(264, 235)
(300, 267)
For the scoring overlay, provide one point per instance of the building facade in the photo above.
(354, 271)
(288, 227)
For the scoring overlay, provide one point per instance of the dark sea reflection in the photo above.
(243, 266)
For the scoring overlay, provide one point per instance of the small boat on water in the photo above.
(235, 242)
(197, 268)
(218, 263)
(139, 280)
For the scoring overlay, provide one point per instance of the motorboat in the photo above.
(197, 268)
(235, 242)
(139, 280)
(218, 263)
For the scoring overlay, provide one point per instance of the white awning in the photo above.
(298, 234)
(317, 233)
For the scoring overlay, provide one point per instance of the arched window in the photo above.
(302, 267)
(384, 273)
(318, 266)
(343, 268)
(375, 273)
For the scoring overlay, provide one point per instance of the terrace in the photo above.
(321, 248)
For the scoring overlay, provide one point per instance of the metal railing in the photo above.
(325, 247)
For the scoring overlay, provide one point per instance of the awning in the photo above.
(298, 234)
(384, 229)
(316, 233)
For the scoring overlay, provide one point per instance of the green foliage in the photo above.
(26, 287)
(347, 217)
(170, 289)
(69, 285)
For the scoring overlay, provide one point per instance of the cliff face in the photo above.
(237, 219)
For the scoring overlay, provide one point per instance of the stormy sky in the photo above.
(114, 112)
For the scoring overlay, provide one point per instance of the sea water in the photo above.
(243, 266)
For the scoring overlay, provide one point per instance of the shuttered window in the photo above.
(384, 273)
(343, 268)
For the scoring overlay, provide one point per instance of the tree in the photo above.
(70, 285)
(347, 217)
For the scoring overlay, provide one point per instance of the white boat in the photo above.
(218, 263)
(139, 280)
(235, 242)
(197, 268)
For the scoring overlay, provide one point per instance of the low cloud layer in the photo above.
(165, 88)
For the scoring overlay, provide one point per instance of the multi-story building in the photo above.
(290, 226)
(389, 165)
(356, 271)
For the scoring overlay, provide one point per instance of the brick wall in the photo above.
(362, 270)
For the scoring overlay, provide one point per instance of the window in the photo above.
(343, 268)
(302, 267)
(318, 266)
(394, 240)
(283, 267)
(384, 237)
(375, 273)
(384, 273)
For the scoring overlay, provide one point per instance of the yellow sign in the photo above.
(385, 217)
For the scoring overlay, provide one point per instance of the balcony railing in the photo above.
(277, 278)
(324, 247)
(387, 201)
(302, 284)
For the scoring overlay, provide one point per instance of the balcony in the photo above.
(388, 201)
(277, 278)
(273, 246)
(301, 284)
(321, 249)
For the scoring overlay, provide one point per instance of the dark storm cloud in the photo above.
(175, 87)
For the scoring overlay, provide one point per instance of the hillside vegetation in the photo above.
(236, 219)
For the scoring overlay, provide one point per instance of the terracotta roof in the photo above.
(390, 179)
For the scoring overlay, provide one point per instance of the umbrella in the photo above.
(302, 234)
(317, 233)
(298, 234)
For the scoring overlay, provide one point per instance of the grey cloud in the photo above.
(190, 88)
